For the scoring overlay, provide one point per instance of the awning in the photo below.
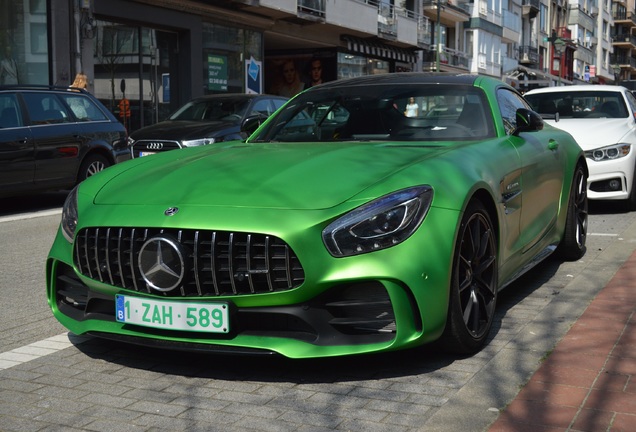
(378, 49)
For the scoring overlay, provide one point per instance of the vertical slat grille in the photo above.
(217, 263)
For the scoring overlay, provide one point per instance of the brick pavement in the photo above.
(587, 383)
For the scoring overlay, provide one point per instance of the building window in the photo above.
(24, 57)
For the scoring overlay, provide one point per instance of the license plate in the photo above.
(141, 154)
(172, 315)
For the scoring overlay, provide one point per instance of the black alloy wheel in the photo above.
(473, 293)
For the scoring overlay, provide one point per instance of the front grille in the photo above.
(155, 145)
(217, 263)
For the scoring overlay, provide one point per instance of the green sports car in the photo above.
(340, 226)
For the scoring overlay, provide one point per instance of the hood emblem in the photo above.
(161, 263)
(171, 211)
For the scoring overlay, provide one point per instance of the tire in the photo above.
(572, 245)
(474, 283)
(91, 165)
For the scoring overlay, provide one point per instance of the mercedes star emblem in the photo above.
(161, 263)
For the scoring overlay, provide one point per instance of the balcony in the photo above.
(528, 55)
(624, 40)
(313, 10)
(530, 8)
(624, 17)
(449, 59)
(449, 13)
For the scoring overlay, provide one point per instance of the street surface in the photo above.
(51, 380)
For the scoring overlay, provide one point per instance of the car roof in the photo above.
(407, 78)
(579, 87)
(235, 96)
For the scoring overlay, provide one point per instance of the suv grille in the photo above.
(216, 263)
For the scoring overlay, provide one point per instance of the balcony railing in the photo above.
(528, 54)
(312, 7)
(624, 38)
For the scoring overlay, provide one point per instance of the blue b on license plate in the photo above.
(173, 315)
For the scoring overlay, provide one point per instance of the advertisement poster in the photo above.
(287, 75)
(217, 72)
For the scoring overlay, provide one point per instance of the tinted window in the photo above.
(580, 104)
(45, 109)
(380, 113)
(509, 103)
(10, 115)
(83, 108)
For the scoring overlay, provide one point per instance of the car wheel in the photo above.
(473, 290)
(572, 246)
(91, 165)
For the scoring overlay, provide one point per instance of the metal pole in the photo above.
(439, 36)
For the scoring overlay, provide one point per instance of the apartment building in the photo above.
(158, 54)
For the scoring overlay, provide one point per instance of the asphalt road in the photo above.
(50, 380)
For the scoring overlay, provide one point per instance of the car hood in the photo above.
(261, 175)
(185, 130)
(594, 133)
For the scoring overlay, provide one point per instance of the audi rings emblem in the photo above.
(161, 263)
(171, 211)
(154, 145)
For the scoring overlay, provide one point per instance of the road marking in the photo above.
(30, 215)
(602, 234)
(39, 349)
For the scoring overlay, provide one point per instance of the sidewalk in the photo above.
(588, 382)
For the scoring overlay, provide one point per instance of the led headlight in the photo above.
(612, 152)
(380, 224)
(69, 215)
(197, 142)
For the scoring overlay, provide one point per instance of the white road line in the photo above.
(30, 215)
(602, 234)
(39, 349)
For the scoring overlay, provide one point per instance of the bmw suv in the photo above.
(52, 138)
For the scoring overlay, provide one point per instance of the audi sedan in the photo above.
(205, 120)
(339, 227)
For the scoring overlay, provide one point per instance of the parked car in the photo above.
(205, 120)
(54, 137)
(326, 235)
(602, 119)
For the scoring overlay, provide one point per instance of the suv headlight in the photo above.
(380, 224)
(612, 152)
(69, 215)
(197, 142)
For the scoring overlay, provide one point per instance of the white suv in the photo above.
(602, 120)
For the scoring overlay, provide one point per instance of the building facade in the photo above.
(158, 54)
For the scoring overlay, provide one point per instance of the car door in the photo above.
(17, 154)
(542, 172)
(57, 139)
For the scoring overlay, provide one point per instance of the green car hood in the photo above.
(290, 175)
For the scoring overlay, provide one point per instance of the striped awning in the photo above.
(378, 49)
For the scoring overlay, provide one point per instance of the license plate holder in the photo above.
(208, 317)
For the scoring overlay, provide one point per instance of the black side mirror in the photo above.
(528, 121)
(252, 122)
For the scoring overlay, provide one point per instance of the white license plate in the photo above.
(141, 154)
(173, 315)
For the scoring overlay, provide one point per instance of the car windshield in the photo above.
(383, 112)
(579, 104)
(225, 109)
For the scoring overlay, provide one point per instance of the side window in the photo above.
(83, 108)
(509, 102)
(45, 108)
(631, 100)
(10, 115)
(278, 103)
(262, 107)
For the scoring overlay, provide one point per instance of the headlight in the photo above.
(612, 152)
(380, 224)
(69, 215)
(197, 142)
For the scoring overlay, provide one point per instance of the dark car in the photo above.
(54, 137)
(205, 120)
